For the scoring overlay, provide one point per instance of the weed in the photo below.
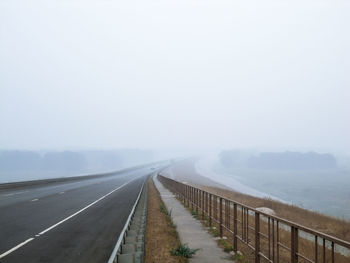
(227, 247)
(238, 256)
(184, 251)
(163, 209)
(214, 231)
(194, 213)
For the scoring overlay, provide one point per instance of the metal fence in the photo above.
(270, 238)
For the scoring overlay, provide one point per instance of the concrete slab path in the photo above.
(191, 231)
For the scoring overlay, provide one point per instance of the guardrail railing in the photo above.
(271, 238)
(137, 236)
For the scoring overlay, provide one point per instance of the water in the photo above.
(326, 191)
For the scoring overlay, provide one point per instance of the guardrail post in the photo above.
(191, 194)
(221, 217)
(202, 205)
(182, 187)
(199, 200)
(210, 212)
(184, 193)
(235, 227)
(187, 196)
(294, 244)
(206, 202)
(193, 198)
(257, 237)
(196, 196)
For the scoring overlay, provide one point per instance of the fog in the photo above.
(32, 165)
(189, 75)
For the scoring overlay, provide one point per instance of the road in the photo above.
(73, 221)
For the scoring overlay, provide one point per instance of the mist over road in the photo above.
(74, 221)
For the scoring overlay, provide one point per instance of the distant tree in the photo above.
(233, 158)
(63, 161)
(292, 161)
(19, 160)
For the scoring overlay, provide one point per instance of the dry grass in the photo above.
(326, 224)
(322, 223)
(306, 248)
(161, 236)
(185, 171)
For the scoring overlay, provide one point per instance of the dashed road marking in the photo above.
(81, 210)
(64, 220)
(18, 193)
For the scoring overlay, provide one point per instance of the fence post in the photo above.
(210, 212)
(206, 202)
(184, 194)
(183, 190)
(199, 200)
(203, 205)
(294, 244)
(188, 195)
(235, 227)
(191, 194)
(196, 200)
(194, 197)
(220, 217)
(257, 237)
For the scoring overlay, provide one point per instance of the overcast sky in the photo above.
(175, 73)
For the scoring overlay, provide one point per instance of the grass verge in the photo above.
(161, 234)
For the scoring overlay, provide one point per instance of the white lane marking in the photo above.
(69, 217)
(83, 209)
(61, 193)
(18, 193)
(34, 200)
(21, 192)
(15, 248)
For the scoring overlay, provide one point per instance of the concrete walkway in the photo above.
(191, 231)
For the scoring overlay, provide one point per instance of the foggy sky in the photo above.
(175, 73)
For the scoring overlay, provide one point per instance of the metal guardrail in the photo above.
(271, 238)
(130, 244)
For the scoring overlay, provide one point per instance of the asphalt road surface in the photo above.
(73, 221)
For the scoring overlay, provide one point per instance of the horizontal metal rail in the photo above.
(272, 239)
(122, 235)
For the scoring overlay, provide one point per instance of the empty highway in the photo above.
(69, 221)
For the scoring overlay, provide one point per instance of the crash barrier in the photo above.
(130, 247)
